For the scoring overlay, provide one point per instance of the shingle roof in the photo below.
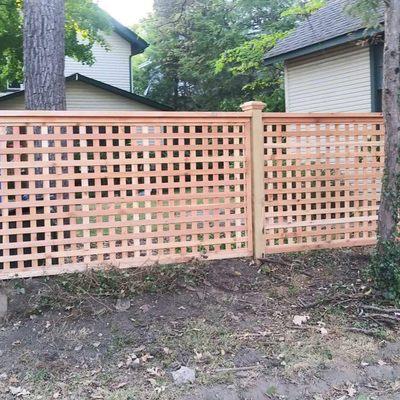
(328, 23)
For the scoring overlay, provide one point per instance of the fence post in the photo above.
(257, 174)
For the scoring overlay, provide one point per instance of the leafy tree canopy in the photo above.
(84, 20)
(367, 10)
(208, 54)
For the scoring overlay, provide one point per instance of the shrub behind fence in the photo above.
(82, 190)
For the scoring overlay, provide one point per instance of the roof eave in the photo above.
(316, 47)
(138, 45)
(119, 92)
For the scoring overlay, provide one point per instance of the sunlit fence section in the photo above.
(322, 180)
(122, 189)
(84, 189)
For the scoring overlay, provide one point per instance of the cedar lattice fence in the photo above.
(85, 190)
(322, 181)
(82, 190)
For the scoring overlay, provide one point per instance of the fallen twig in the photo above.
(367, 332)
(381, 310)
(338, 296)
(392, 319)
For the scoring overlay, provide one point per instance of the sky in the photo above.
(127, 12)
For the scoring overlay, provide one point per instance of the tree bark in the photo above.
(44, 54)
(389, 208)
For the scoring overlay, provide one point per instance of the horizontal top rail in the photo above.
(338, 117)
(58, 117)
(7, 116)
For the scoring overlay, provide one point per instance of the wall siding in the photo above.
(111, 66)
(81, 96)
(338, 80)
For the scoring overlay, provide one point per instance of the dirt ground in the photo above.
(292, 327)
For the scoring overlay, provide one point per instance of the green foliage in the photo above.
(208, 54)
(10, 42)
(186, 38)
(85, 26)
(84, 20)
(304, 9)
(385, 269)
(266, 83)
(250, 53)
(367, 10)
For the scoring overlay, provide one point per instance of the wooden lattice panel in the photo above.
(81, 190)
(322, 181)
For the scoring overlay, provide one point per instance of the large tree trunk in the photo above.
(44, 54)
(389, 209)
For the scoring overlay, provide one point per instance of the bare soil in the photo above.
(118, 335)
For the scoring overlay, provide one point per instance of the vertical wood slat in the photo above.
(81, 190)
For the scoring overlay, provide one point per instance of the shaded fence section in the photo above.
(81, 190)
(322, 180)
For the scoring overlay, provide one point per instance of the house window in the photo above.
(377, 76)
(15, 86)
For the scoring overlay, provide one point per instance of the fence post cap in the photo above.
(253, 105)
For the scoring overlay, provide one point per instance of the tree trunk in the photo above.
(44, 54)
(389, 209)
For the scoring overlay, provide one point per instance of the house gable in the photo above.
(111, 67)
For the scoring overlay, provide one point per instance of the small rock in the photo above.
(18, 391)
(184, 375)
(123, 305)
(145, 308)
(135, 364)
(300, 319)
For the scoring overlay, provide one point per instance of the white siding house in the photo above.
(330, 63)
(338, 79)
(87, 94)
(111, 67)
(105, 85)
